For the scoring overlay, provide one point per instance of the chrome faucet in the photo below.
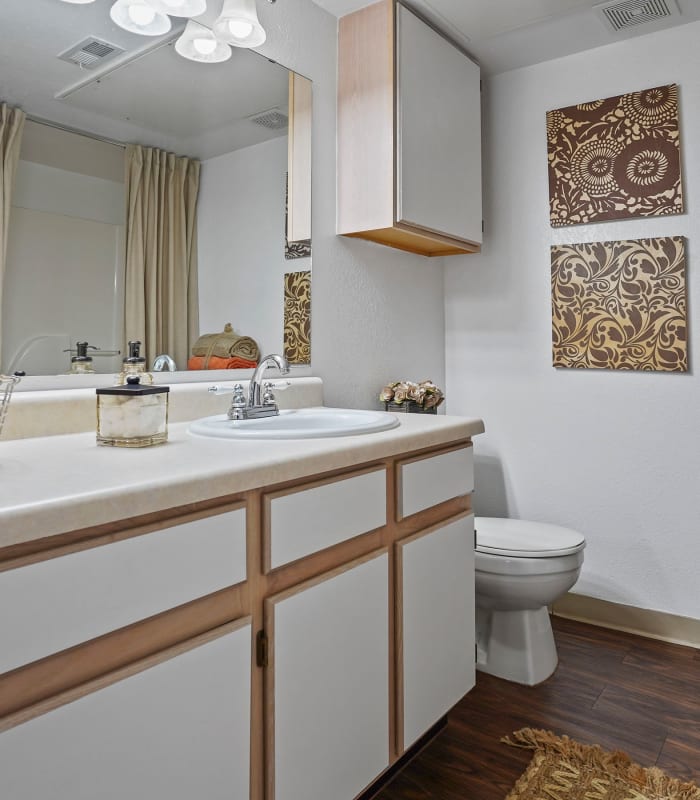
(163, 363)
(255, 396)
(261, 401)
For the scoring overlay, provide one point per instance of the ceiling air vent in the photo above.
(273, 119)
(620, 16)
(90, 53)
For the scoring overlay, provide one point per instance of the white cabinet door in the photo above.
(179, 730)
(436, 576)
(330, 683)
(438, 132)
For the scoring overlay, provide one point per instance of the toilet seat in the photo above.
(517, 538)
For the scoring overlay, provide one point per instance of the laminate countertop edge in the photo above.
(57, 484)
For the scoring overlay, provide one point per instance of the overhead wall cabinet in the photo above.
(409, 134)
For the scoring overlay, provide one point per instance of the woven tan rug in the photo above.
(563, 769)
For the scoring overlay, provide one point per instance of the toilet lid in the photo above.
(519, 538)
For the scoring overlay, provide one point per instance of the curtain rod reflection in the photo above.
(68, 129)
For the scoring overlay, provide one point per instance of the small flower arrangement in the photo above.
(425, 394)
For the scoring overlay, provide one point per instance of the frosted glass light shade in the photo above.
(239, 24)
(199, 44)
(79, 2)
(138, 16)
(179, 8)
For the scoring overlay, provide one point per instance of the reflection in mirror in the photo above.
(64, 278)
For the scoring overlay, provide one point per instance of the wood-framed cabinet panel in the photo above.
(435, 624)
(327, 683)
(176, 726)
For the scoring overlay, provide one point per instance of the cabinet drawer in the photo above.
(427, 481)
(309, 519)
(55, 604)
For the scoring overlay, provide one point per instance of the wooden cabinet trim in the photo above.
(76, 692)
(35, 683)
(412, 459)
(87, 538)
(269, 497)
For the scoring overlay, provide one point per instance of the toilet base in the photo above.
(516, 645)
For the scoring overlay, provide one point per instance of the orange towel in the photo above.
(199, 362)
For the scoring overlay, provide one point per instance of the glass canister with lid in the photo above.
(132, 415)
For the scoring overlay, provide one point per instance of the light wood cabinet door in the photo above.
(438, 132)
(328, 683)
(436, 624)
(409, 134)
(179, 730)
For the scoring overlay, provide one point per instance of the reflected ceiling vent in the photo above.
(90, 53)
(273, 119)
(621, 16)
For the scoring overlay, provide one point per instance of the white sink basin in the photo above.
(302, 423)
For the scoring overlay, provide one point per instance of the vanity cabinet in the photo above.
(409, 134)
(289, 641)
(328, 683)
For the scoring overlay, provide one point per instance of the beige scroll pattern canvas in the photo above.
(297, 317)
(615, 158)
(620, 305)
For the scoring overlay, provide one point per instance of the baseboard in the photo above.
(642, 621)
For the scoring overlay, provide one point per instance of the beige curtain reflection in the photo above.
(161, 303)
(11, 127)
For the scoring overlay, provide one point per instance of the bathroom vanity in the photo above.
(231, 619)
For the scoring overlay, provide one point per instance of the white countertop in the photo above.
(56, 484)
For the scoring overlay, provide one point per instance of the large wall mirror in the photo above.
(248, 121)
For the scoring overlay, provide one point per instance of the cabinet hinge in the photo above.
(475, 538)
(483, 225)
(261, 649)
(476, 652)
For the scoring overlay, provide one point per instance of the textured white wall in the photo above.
(613, 454)
(377, 313)
(241, 243)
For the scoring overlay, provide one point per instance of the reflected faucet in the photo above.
(255, 390)
(163, 363)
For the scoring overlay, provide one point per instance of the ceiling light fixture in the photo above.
(239, 24)
(139, 16)
(179, 8)
(79, 2)
(198, 43)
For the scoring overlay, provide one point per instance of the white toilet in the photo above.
(521, 567)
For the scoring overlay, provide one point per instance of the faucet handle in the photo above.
(268, 397)
(238, 397)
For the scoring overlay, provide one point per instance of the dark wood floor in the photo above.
(614, 689)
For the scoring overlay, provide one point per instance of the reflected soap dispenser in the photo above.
(134, 364)
(81, 362)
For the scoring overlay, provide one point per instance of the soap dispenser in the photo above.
(81, 363)
(134, 364)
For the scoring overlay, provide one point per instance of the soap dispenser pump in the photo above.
(81, 362)
(134, 364)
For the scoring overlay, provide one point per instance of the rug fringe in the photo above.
(615, 763)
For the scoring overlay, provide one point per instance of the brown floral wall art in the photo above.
(615, 158)
(620, 305)
(297, 317)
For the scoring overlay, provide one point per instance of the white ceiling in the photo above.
(154, 97)
(200, 109)
(507, 34)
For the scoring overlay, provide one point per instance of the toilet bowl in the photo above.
(521, 568)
